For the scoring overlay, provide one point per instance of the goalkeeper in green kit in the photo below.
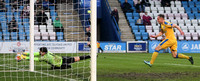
(56, 62)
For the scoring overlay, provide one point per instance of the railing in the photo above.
(115, 22)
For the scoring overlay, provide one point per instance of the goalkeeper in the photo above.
(56, 62)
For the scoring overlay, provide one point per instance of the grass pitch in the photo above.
(110, 67)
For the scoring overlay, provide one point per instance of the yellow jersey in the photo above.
(168, 30)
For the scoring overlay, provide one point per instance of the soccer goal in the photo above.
(48, 40)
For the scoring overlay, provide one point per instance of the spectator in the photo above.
(146, 19)
(126, 7)
(88, 33)
(135, 2)
(58, 25)
(115, 14)
(39, 9)
(46, 4)
(37, 4)
(42, 18)
(139, 7)
(25, 12)
(12, 25)
(165, 3)
(145, 3)
(2, 6)
(14, 6)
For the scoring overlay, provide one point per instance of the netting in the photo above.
(62, 26)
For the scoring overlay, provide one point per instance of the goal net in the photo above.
(62, 27)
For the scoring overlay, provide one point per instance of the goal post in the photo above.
(31, 66)
(93, 40)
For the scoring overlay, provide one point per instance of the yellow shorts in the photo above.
(172, 44)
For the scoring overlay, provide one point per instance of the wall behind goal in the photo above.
(55, 47)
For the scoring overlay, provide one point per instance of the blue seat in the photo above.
(26, 20)
(134, 27)
(128, 14)
(6, 33)
(134, 30)
(28, 38)
(59, 37)
(6, 38)
(145, 36)
(137, 35)
(191, 16)
(132, 24)
(188, 10)
(1, 37)
(59, 33)
(191, 4)
(136, 18)
(194, 10)
(131, 21)
(197, 16)
(52, 7)
(141, 28)
(136, 15)
(53, 13)
(1, 33)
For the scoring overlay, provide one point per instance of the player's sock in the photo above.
(153, 58)
(84, 57)
(101, 49)
(182, 56)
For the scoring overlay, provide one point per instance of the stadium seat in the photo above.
(181, 10)
(180, 37)
(184, 16)
(194, 10)
(191, 4)
(22, 36)
(152, 33)
(188, 36)
(45, 35)
(145, 36)
(37, 35)
(177, 16)
(181, 22)
(194, 22)
(128, 14)
(191, 16)
(197, 16)
(170, 16)
(137, 35)
(188, 22)
(167, 9)
(195, 36)
(52, 36)
(136, 15)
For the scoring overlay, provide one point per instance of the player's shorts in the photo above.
(172, 44)
(65, 63)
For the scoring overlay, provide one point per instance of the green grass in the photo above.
(130, 67)
(110, 67)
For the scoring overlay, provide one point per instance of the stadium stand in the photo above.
(183, 13)
(42, 32)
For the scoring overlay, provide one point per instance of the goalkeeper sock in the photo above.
(84, 57)
(182, 56)
(153, 58)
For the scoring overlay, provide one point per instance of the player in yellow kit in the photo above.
(170, 41)
(98, 46)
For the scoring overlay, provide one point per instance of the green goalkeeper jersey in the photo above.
(49, 58)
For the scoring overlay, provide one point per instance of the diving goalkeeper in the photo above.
(56, 62)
